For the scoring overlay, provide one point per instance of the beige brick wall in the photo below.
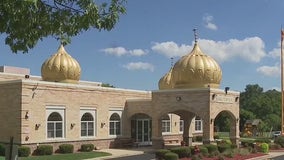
(10, 111)
(39, 95)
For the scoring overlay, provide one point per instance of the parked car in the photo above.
(277, 133)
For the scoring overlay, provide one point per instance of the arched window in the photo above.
(87, 125)
(54, 125)
(114, 124)
(166, 124)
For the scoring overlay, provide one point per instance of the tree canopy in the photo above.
(257, 104)
(25, 22)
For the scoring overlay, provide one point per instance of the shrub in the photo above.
(66, 148)
(229, 153)
(2, 150)
(196, 157)
(264, 147)
(44, 150)
(24, 151)
(224, 147)
(87, 147)
(204, 151)
(171, 156)
(244, 151)
(247, 143)
(181, 151)
(211, 148)
(279, 140)
(160, 154)
(216, 136)
(263, 140)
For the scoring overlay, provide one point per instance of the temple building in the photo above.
(58, 108)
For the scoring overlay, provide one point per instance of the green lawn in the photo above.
(72, 156)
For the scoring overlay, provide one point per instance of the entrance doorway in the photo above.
(141, 130)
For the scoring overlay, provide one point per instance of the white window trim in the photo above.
(61, 111)
(201, 126)
(170, 120)
(119, 112)
(93, 112)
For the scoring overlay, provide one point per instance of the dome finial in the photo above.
(195, 35)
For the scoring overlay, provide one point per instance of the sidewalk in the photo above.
(116, 153)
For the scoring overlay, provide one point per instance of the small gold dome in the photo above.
(166, 81)
(61, 67)
(196, 70)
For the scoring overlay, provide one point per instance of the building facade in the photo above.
(57, 108)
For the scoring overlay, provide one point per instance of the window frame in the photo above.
(93, 113)
(61, 112)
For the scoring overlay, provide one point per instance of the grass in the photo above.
(71, 156)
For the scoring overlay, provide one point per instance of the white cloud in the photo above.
(138, 52)
(275, 52)
(120, 51)
(208, 20)
(271, 71)
(139, 66)
(171, 49)
(250, 49)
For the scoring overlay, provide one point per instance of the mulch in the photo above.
(236, 157)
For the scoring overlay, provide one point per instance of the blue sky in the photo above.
(242, 36)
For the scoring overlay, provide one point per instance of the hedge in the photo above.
(24, 151)
(66, 148)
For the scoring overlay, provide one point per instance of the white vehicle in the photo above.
(277, 133)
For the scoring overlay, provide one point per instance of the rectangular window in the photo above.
(166, 126)
(198, 125)
(181, 125)
(83, 129)
(50, 130)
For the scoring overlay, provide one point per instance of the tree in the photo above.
(25, 22)
(256, 104)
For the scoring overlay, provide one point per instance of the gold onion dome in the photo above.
(196, 70)
(166, 81)
(61, 67)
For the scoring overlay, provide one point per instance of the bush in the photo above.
(24, 151)
(263, 140)
(229, 153)
(171, 156)
(279, 140)
(244, 151)
(66, 148)
(160, 154)
(181, 151)
(264, 147)
(87, 147)
(211, 148)
(247, 143)
(216, 136)
(224, 147)
(204, 151)
(2, 150)
(44, 150)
